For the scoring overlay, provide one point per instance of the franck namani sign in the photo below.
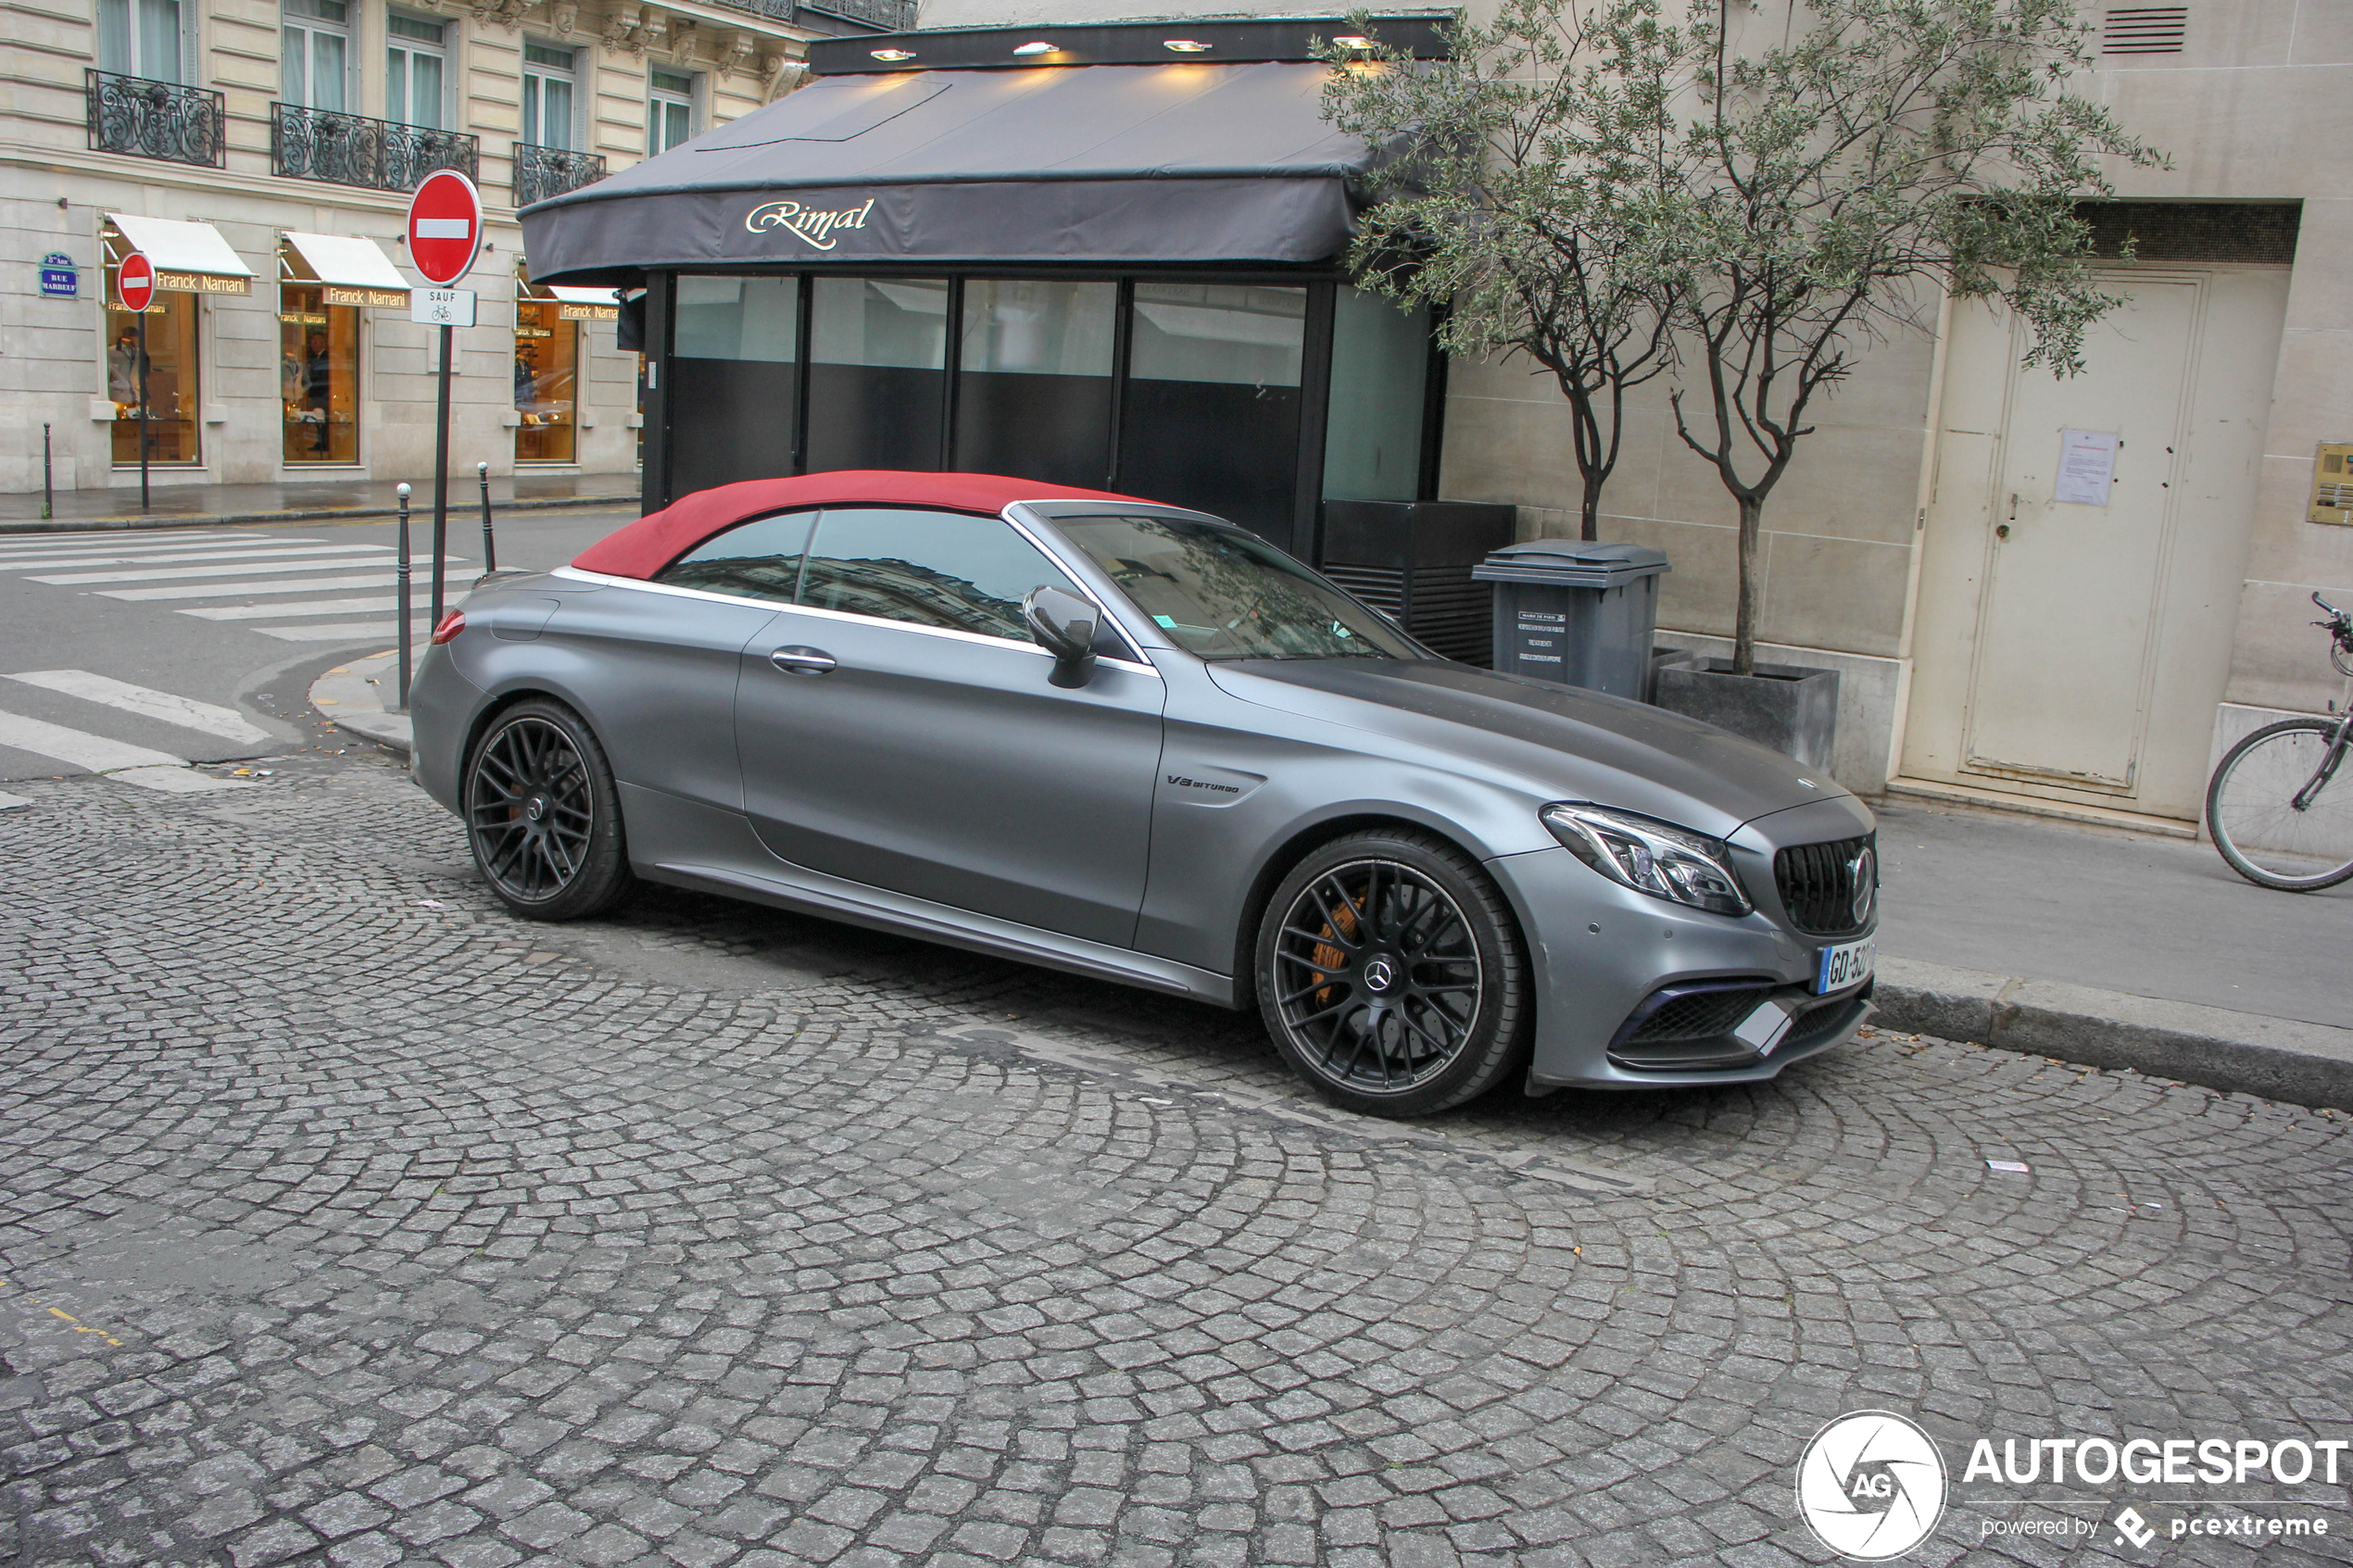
(818, 228)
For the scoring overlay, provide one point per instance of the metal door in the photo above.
(943, 765)
(2059, 688)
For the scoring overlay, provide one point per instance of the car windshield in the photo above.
(1221, 594)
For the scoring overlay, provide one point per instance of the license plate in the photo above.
(1849, 963)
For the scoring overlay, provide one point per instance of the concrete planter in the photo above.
(1786, 707)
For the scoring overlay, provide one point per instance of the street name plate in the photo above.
(443, 308)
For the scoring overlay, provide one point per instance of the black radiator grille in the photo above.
(1817, 883)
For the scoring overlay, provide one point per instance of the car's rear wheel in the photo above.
(1392, 976)
(543, 815)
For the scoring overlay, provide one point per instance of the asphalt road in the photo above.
(147, 614)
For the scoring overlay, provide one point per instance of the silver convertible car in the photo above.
(1139, 743)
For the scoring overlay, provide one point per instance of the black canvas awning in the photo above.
(1113, 164)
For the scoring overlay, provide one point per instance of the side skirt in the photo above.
(688, 844)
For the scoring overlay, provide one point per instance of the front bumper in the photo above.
(1601, 950)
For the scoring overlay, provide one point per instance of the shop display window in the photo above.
(1034, 384)
(172, 391)
(1210, 419)
(318, 376)
(1380, 372)
(547, 383)
(736, 362)
(877, 396)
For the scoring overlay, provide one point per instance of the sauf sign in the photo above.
(817, 228)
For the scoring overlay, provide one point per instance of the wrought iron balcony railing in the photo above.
(350, 149)
(890, 16)
(158, 120)
(541, 172)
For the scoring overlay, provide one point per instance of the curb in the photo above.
(316, 514)
(351, 697)
(2281, 1059)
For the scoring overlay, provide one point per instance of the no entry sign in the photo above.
(135, 281)
(444, 227)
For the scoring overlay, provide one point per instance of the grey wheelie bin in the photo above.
(1582, 614)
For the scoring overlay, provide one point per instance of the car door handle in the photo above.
(801, 661)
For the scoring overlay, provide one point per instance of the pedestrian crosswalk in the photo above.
(100, 698)
(252, 580)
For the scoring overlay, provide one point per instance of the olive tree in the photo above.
(1530, 173)
(1836, 182)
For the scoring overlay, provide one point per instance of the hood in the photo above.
(1563, 742)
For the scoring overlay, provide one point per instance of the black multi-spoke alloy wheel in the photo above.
(1391, 974)
(543, 815)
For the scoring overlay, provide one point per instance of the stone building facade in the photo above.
(274, 143)
(1995, 640)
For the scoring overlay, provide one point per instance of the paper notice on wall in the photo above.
(2088, 467)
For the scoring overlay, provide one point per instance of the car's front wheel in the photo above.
(543, 815)
(1392, 976)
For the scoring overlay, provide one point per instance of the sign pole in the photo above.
(400, 681)
(143, 410)
(441, 478)
(445, 237)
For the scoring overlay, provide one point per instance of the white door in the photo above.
(2061, 683)
(2072, 651)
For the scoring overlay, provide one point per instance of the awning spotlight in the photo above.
(892, 56)
(1185, 45)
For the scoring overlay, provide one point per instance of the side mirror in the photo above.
(1064, 626)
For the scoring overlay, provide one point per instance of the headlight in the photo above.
(1667, 862)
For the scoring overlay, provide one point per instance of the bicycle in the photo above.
(2275, 806)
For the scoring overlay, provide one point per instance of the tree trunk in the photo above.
(1590, 511)
(1745, 626)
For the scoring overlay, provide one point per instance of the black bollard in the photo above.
(48, 494)
(489, 546)
(401, 570)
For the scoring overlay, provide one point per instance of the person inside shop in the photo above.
(318, 381)
(122, 368)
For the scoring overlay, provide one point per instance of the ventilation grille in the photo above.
(1444, 608)
(2145, 30)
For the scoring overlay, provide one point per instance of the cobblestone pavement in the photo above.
(347, 1220)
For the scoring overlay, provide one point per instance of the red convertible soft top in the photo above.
(651, 543)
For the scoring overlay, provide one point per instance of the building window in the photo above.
(546, 96)
(318, 375)
(670, 110)
(1212, 412)
(876, 351)
(315, 47)
(735, 358)
(173, 392)
(1380, 374)
(546, 379)
(413, 60)
(1034, 382)
(140, 38)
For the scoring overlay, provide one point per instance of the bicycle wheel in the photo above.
(2274, 815)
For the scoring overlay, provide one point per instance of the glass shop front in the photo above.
(1254, 397)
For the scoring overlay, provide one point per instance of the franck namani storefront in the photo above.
(1103, 256)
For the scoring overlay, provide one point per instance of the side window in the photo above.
(931, 569)
(760, 559)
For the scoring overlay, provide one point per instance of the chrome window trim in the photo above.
(780, 607)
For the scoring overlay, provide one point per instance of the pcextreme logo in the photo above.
(1871, 1486)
